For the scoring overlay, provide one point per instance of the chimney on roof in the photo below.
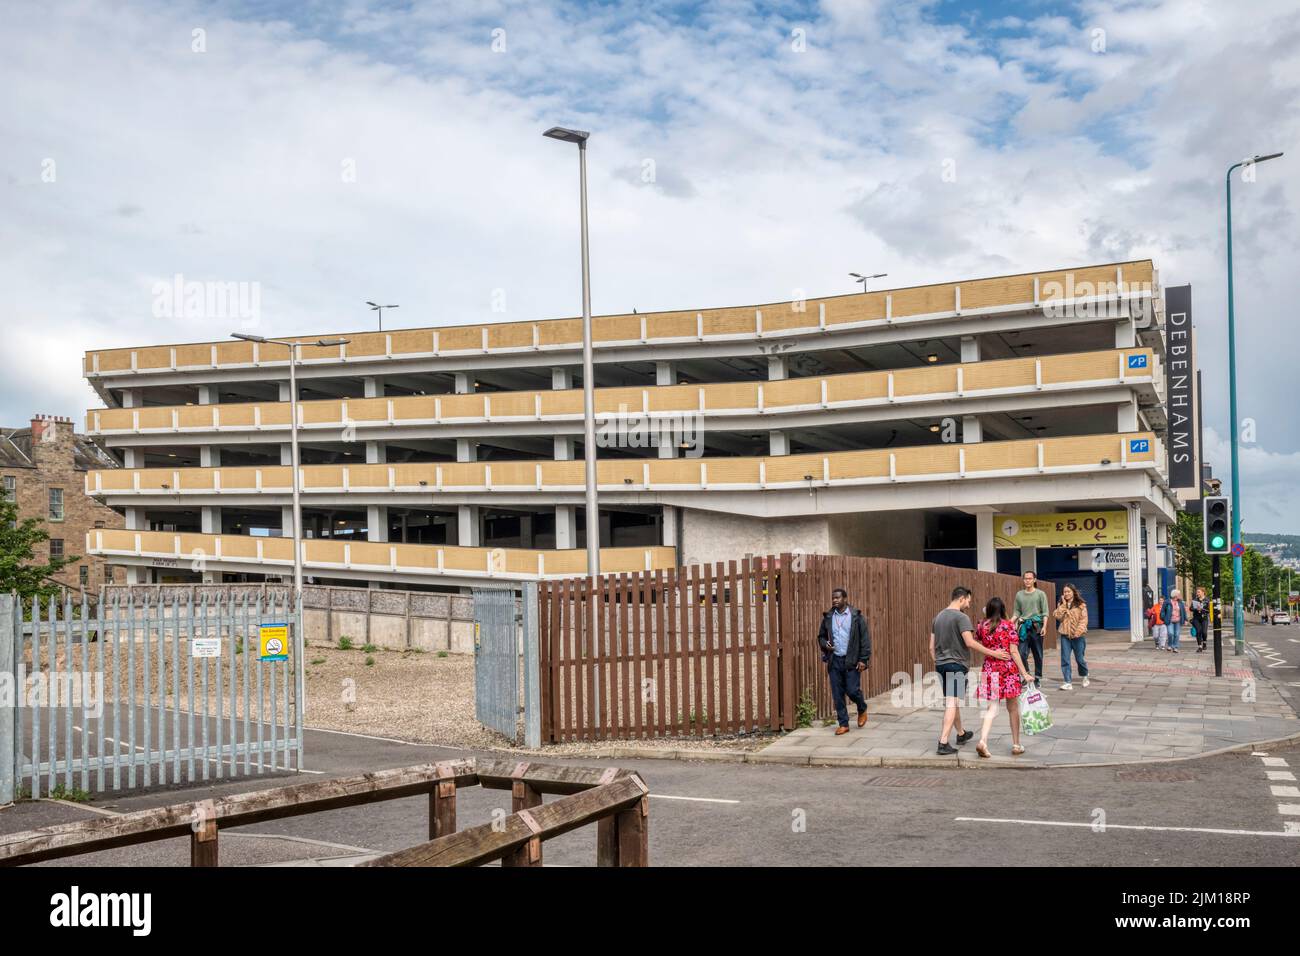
(48, 428)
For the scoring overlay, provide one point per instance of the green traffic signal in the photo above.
(1217, 542)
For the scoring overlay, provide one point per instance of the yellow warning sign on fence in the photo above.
(1074, 529)
(273, 641)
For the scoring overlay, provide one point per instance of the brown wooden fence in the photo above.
(729, 647)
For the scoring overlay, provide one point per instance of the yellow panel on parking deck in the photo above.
(1065, 530)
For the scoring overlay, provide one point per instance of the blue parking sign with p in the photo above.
(1139, 445)
(1137, 361)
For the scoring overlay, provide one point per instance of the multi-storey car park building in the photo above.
(907, 423)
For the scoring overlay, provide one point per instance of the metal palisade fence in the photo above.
(122, 693)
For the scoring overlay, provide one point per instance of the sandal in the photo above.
(982, 750)
(1017, 750)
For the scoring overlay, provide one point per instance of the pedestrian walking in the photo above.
(1200, 608)
(846, 650)
(1174, 613)
(1072, 622)
(952, 638)
(1001, 680)
(1159, 632)
(1029, 617)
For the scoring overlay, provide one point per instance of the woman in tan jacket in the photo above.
(1072, 622)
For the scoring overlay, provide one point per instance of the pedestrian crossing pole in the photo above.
(1216, 614)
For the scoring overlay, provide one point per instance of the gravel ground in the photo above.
(406, 695)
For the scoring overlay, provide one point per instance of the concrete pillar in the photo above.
(210, 520)
(566, 527)
(666, 447)
(376, 522)
(133, 457)
(135, 520)
(210, 456)
(466, 449)
(971, 430)
(561, 378)
(665, 373)
(208, 395)
(778, 368)
(1028, 560)
(986, 556)
(212, 577)
(1125, 334)
(464, 383)
(286, 521)
(564, 447)
(970, 348)
(132, 397)
(374, 386)
(778, 442)
(1153, 556)
(376, 453)
(284, 391)
(1135, 631)
(668, 524)
(1127, 418)
(286, 454)
(135, 574)
(468, 532)
(525, 531)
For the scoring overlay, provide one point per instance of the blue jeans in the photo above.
(845, 680)
(1076, 646)
(1174, 629)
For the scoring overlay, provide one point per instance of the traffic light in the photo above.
(1216, 525)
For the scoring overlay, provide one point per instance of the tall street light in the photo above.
(1238, 611)
(588, 374)
(376, 307)
(293, 347)
(858, 277)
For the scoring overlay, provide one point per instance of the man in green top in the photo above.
(1028, 616)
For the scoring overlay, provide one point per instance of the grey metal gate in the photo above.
(496, 660)
(127, 693)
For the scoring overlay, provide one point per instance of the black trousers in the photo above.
(845, 680)
(1033, 644)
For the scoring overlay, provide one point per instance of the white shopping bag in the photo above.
(1035, 714)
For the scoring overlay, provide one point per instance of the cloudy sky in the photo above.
(338, 152)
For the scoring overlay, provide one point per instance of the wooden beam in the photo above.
(488, 842)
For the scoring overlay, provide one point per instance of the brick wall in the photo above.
(54, 466)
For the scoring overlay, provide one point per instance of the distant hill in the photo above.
(1288, 543)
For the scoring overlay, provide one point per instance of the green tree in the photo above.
(20, 571)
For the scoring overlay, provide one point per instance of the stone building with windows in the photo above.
(43, 468)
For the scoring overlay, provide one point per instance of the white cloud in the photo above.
(1270, 483)
(776, 170)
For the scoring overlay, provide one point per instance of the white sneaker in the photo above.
(1085, 682)
(1067, 686)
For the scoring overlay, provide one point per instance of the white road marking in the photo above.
(1290, 809)
(1279, 774)
(1286, 791)
(81, 806)
(1120, 826)
(1291, 826)
(387, 740)
(1274, 762)
(666, 796)
(223, 760)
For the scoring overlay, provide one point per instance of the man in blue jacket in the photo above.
(846, 649)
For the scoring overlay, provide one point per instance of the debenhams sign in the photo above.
(1180, 377)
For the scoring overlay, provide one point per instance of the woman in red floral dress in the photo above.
(1000, 680)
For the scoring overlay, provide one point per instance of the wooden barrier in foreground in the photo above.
(614, 799)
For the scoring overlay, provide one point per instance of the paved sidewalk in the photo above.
(1142, 704)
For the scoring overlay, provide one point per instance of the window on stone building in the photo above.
(84, 573)
(56, 548)
(9, 487)
(56, 504)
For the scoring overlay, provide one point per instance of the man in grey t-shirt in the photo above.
(952, 638)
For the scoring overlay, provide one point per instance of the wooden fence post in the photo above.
(203, 835)
(442, 803)
(786, 639)
(524, 797)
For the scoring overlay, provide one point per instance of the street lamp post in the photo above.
(1238, 611)
(864, 279)
(293, 347)
(588, 373)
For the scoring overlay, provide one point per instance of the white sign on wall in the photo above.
(1111, 559)
(205, 647)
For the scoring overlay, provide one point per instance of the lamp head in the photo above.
(578, 136)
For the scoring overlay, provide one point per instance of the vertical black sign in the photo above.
(1180, 379)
